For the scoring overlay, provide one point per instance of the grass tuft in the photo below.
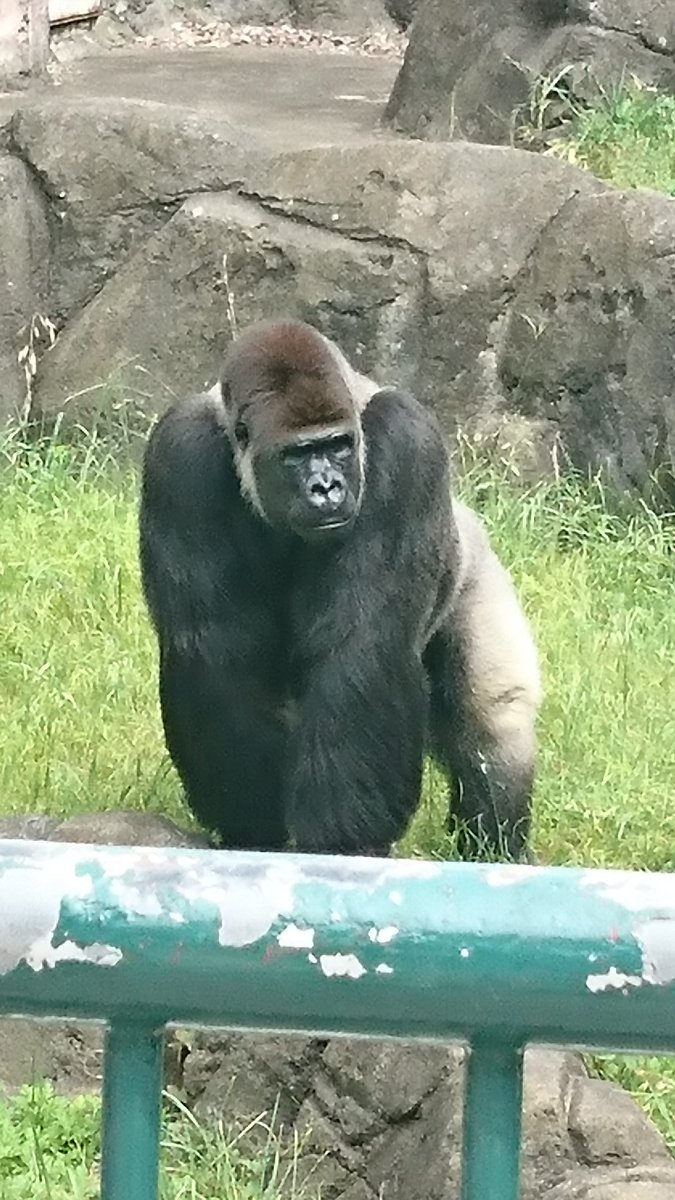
(627, 138)
(50, 1149)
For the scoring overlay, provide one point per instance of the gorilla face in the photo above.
(312, 483)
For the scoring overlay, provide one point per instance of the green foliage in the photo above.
(48, 1146)
(628, 138)
(50, 1150)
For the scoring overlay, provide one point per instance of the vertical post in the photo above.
(24, 38)
(132, 1096)
(38, 36)
(492, 1122)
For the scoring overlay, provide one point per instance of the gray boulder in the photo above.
(523, 299)
(376, 1118)
(404, 253)
(343, 16)
(112, 174)
(588, 341)
(469, 68)
(357, 290)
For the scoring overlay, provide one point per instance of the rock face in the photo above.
(588, 338)
(469, 68)
(346, 16)
(524, 300)
(384, 1119)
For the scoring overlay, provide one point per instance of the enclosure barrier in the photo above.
(496, 956)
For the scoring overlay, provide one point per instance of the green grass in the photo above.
(628, 139)
(50, 1150)
(78, 698)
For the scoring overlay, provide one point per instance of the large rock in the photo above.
(344, 16)
(405, 254)
(376, 1118)
(469, 69)
(588, 340)
(112, 174)
(526, 301)
(24, 260)
(165, 311)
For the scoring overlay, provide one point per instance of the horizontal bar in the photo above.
(492, 1123)
(132, 1084)
(337, 945)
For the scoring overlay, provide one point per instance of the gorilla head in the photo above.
(294, 429)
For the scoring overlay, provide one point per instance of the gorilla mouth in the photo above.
(337, 523)
(317, 530)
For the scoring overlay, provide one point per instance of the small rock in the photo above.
(606, 1126)
(122, 828)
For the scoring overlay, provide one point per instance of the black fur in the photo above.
(249, 618)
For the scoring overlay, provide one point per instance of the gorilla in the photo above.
(327, 613)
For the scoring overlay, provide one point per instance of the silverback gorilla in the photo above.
(326, 612)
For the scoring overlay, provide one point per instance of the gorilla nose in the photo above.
(327, 492)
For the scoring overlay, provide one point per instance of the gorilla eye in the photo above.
(294, 455)
(342, 447)
(241, 434)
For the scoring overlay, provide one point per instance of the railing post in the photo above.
(132, 1096)
(492, 1122)
(24, 39)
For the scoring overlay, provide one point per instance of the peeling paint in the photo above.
(633, 890)
(505, 875)
(384, 969)
(396, 897)
(142, 904)
(464, 952)
(30, 903)
(295, 938)
(383, 936)
(336, 965)
(612, 980)
(657, 941)
(43, 954)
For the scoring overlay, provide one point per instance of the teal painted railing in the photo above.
(497, 956)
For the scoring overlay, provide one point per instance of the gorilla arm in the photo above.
(217, 653)
(356, 755)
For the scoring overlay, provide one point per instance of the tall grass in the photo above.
(50, 1150)
(627, 138)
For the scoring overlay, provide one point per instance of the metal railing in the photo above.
(496, 956)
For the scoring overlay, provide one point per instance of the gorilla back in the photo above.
(325, 613)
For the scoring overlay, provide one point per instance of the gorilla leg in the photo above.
(485, 696)
(227, 743)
